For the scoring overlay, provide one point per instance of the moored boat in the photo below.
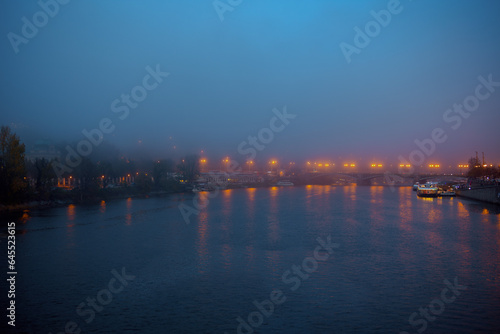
(427, 190)
(447, 193)
(284, 183)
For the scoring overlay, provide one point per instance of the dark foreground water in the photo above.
(251, 258)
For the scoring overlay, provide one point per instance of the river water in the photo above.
(251, 260)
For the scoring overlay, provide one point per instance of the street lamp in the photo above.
(273, 163)
(203, 163)
(250, 164)
(225, 162)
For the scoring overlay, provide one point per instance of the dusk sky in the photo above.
(226, 76)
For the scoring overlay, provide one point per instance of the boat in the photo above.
(427, 190)
(446, 192)
(202, 187)
(284, 183)
(415, 186)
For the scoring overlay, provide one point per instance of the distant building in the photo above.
(235, 178)
(43, 149)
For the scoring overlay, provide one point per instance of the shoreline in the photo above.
(49, 204)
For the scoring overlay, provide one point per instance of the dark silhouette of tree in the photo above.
(45, 178)
(124, 167)
(161, 171)
(87, 175)
(143, 183)
(12, 167)
(477, 170)
(190, 167)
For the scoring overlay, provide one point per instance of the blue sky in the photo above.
(227, 76)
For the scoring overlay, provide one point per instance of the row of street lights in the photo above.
(322, 165)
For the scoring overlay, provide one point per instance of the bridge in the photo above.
(386, 178)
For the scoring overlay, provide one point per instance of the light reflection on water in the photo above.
(203, 255)
(395, 251)
(102, 207)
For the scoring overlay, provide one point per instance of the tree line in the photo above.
(24, 180)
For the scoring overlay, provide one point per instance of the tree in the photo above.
(161, 170)
(190, 167)
(87, 176)
(476, 169)
(12, 167)
(143, 183)
(42, 172)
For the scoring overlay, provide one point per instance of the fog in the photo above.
(338, 80)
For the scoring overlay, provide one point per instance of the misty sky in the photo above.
(225, 77)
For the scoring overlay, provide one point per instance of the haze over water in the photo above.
(228, 71)
(156, 99)
(394, 253)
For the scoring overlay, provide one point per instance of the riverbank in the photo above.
(115, 194)
(69, 197)
(107, 196)
(489, 194)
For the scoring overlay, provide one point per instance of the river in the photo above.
(312, 259)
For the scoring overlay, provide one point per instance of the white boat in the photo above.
(284, 183)
(447, 193)
(202, 187)
(427, 190)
